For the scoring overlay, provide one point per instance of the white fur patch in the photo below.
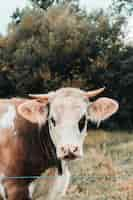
(31, 189)
(7, 119)
(60, 184)
(2, 188)
(15, 133)
(66, 181)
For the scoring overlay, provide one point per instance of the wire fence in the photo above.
(74, 178)
(122, 195)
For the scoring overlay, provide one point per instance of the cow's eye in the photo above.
(53, 121)
(81, 123)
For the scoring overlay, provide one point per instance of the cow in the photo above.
(45, 131)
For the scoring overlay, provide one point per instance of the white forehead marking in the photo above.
(7, 119)
(68, 108)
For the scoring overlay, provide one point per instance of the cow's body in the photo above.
(25, 150)
(45, 132)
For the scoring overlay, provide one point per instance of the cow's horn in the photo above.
(43, 96)
(94, 93)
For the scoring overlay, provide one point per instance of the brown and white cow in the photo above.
(42, 132)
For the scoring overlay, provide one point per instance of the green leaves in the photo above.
(123, 7)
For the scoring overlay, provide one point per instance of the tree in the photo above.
(64, 46)
(124, 7)
(44, 4)
(16, 16)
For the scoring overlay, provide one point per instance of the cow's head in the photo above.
(69, 111)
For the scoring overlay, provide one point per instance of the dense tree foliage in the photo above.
(64, 46)
(124, 7)
(44, 4)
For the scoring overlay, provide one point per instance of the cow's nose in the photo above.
(70, 151)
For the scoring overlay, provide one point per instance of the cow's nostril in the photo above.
(75, 149)
(63, 149)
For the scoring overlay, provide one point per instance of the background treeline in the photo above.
(55, 44)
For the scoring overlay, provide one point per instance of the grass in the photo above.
(105, 173)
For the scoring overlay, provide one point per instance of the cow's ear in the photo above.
(102, 109)
(33, 111)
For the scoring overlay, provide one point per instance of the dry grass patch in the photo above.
(105, 173)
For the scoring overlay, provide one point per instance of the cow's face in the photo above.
(67, 125)
(69, 112)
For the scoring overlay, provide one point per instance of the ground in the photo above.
(105, 173)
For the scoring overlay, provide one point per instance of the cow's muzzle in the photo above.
(69, 152)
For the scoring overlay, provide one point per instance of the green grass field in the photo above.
(105, 173)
